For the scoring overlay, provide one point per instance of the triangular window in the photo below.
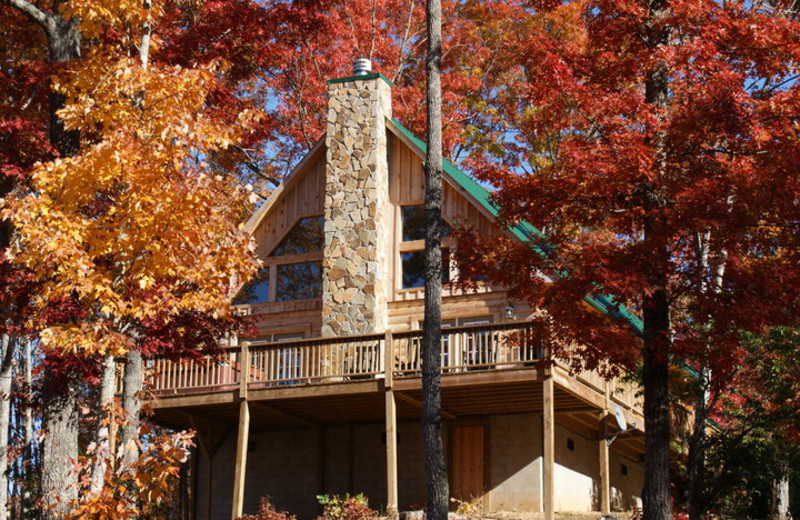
(307, 236)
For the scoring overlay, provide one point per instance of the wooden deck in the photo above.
(485, 370)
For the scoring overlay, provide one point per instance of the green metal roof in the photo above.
(525, 232)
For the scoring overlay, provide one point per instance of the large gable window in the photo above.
(255, 291)
(307, 236)
(412, 248)
(293, 271)
(300, 281)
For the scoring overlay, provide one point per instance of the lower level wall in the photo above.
(294, 466)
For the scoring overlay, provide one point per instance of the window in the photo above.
(414, 268)
(256, 290)
(412, 249)
(413, 218)
(289, 359)
(294, 268)
(299, 281)
(467, 350)
(307, 236)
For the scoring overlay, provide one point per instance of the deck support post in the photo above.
(549, 447)
(241, 460)
(391, 429)
(240, 470)
(391, 455)
(602, 447)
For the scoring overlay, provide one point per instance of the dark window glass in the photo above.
(414, 268)
(256, 290)
(414, 223)
(299, 281)
(306, 236)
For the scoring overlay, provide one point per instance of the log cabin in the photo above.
(326, 397)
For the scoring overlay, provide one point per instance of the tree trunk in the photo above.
(59, 418)
(29, 454)
(63, 41)
(436, 469)
(657, 338)
(105, 399)
(60, 449)
(6, 358)
(779, 509)
(698, 503)
(131, 403)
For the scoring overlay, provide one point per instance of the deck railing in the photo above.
(329, 360)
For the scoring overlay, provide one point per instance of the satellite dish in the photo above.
(620, 417)
(621, 423)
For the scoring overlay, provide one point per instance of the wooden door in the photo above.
(467, 462)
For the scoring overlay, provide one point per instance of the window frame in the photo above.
(413, 246)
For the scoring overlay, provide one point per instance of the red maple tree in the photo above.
(655, 143)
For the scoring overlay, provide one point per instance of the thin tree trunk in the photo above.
(779, 509)
(6, 358)
(699, 500)
(29, 451)
(697, 449)
(656, 498)
(105, 398)
(131, 403)
(436, 469)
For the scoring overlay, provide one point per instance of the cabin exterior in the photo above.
(326, 398)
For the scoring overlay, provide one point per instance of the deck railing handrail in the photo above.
(336, 359)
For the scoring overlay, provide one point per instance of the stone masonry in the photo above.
(356, 259)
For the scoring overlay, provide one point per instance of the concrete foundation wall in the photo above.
(577, 472)
(294, 466)
(626, 490)
(515, 452)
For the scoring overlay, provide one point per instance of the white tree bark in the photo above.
(6, 358)
(780, 500)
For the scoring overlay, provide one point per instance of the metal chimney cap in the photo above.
(362, 67)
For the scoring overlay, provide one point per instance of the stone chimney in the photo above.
(356, 261)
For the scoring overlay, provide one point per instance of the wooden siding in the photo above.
(303, 195)
(407, 187)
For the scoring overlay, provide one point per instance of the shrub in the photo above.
(266, 511)
(347, 508)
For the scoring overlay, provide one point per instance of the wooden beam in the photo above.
(280, 413)
(418, 404)
(549, 448)
(200, 399)
(391, 455)
(480, 378)
(579, 409)
(240, 470)
(602, 448)
(222, 438)
(202, 428)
